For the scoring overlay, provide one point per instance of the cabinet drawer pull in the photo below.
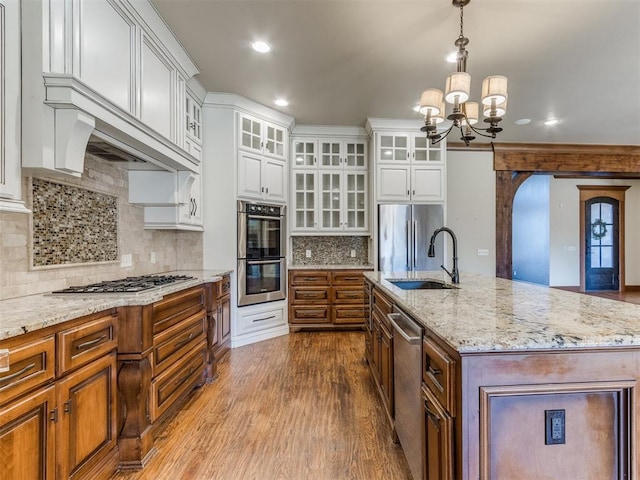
(18, 373)
(431, 413)
(67, 406)
(310, 279)
(434, 371)
(90, 343)
(351, 279)
(53, 415)
(184, 342)
(351, 295)
(263, 319)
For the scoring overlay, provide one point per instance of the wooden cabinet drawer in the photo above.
(348, 314)
(31, 364)
(347, 295)
(309, 294)
(171, 344)
(224, 286)
(438, 373)
(176, 380)
(381, 303)
(175, 308)
(310, 314)
(84, 343)
(309, 277)
(349, 277)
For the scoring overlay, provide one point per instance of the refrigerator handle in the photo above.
(415, 244)
(408, 237)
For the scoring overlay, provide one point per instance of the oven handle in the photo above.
(263, 262)
(264, 217)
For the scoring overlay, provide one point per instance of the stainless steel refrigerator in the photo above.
(404, 232)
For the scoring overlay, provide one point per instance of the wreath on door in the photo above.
(598, 229)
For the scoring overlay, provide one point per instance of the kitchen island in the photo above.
(519, 380)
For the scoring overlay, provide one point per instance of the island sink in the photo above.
(420, 284)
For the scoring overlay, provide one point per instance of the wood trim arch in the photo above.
(515, 162)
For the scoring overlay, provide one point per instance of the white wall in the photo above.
(471, 209)
(564, 238)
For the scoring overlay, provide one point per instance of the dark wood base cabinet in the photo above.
(58, 402)
(326, 299)
(556, 414)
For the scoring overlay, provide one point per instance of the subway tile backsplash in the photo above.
(330, 250)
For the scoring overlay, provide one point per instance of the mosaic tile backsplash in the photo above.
(73, 225)
(330, 250)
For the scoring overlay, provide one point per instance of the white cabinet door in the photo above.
(275, 180)
(355, 216)
(392, 183)
(107, 51)
(305, 153)
(250, 176)
(342, 154)
(330, 201)
(193, 119)
(303, 200)
(156, 90)
(330, 154)
(262, 137)
(427, 184)
(10, 120)
(355, 154)
(393, 148)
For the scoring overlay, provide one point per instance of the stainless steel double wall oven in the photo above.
(261, 253)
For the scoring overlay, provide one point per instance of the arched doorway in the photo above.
(602, 237)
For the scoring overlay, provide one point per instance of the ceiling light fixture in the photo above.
(281, 102)
(551, 122)
(464, 114)
(260, 46)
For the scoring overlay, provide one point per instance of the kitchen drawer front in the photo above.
(310, 314)
(31, 364)
(172, 344)
(348, 277)
(224, 286)
(348, 314)
(301, 295)
(309, 277)
(381, 303)
(250, 321)
(175, 308)
(84, 343)
(176, 380)
(438, 374)
(347, 295)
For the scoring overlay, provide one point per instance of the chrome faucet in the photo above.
(454, 274)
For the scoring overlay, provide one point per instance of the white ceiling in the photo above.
(341, 61)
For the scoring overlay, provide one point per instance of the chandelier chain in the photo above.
(461, 21)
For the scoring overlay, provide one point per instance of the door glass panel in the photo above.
(606, 257)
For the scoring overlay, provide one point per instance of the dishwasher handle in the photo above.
(405, 327)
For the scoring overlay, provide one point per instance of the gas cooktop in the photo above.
(127, 285)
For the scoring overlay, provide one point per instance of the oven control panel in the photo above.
(261, 209)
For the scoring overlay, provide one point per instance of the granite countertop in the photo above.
(26, 314)
(320, 266)
(493, 314)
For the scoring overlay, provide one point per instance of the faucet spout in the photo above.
(454, 273)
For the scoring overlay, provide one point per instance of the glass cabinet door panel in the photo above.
(251, 134)
(275, 141)
(330, 200)
(305, 154)
(355, 155)
(330, 154)
(304, 200)
(356, 200)
(394, 148)
(420, 148)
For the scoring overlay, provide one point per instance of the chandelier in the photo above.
(464, 114)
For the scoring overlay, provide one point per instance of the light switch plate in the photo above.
(483, 252)
(126, 260)
(308, 253)
(353, 252)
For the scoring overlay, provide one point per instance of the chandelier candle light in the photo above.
(464, 114)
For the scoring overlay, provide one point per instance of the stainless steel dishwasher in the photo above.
(407, 376)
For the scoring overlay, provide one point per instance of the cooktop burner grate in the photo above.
(127, 285)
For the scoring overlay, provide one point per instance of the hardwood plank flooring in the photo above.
(301, 406)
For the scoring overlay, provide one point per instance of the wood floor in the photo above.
(298, 407)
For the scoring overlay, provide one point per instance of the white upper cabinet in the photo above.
(408, 168)
(263, 137)
(10, 177)
(261, 178)
(329, 181)
(109, 65)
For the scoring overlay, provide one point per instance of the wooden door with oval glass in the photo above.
(602, 237)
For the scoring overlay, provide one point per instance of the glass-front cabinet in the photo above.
(329, 186)
(265, 138)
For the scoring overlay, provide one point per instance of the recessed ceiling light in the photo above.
(281, 102)
(452, 57)
(522, 121)
(260, 46)
(550, 122)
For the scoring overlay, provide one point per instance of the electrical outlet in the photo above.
(308, 253)
(554, 427)
(483, 252)
(152, 257)
(353, 252)
(126, 260)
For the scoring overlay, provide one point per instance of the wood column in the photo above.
(507, 184)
